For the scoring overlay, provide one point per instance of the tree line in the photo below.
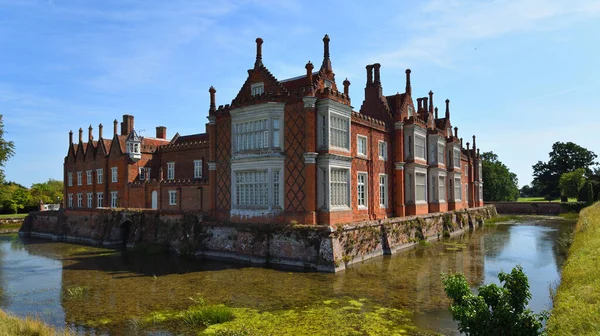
(570, 172)
(15, 197)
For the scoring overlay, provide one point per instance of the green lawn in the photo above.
(22, 215)
(541, 199)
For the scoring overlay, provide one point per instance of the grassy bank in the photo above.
(577, 300)
(541, 199)
(11, 325)
(15, 216)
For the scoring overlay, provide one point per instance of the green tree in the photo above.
(7, 149)
(571, 183)
(565, 157)
(500, 183)
(495, 310)
(48, 192)
(20, 198)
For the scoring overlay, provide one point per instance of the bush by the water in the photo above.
(495, 310)
(205, 315)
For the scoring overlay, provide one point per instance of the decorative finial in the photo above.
(408, 85)
(346, 87)
(213, 106)
(259, 43)
(448, 109)
(326, 66)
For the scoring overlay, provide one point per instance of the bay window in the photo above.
(420, 187)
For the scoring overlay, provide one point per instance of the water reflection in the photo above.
(120, 286)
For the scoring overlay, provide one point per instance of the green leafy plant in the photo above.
(495, 310)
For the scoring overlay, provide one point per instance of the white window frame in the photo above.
(456, 157)
(362, 190)
(383, 191)
(70, 200)
(418, 138)
(244, 196)
(142, 173)
(114, 174)
(257, 129)
(79, 178)
(70, 179)
(99, 199)
(80, 200)
(339, 185)
(114, 199)
(324, 167)
(365, 145)
(172, 197)
(99, 177)
(327, 109)
(90, 200)
(198, 169)
(339, 131)
(410, 111)
(423, 186)
(170, 170)
(257, 89)
(89, 178)
(441, 189)
(382, 150)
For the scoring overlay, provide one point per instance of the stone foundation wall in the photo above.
(320, 248)
(528, 208)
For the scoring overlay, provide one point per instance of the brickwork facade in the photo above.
(291, 150)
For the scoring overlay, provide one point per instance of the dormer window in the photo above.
(257, 88)
(327, 84)
(449, 131)
(410, 111)
(134, 146)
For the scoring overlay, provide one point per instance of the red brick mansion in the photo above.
(286, 150)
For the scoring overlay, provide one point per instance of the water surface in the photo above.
(113, 288)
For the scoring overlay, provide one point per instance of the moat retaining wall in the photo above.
(321, 248)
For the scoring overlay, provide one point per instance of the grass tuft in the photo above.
(207, 315)
(577, 300)
(12, 325)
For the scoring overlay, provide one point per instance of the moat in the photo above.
(113, 292)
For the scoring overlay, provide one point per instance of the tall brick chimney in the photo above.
(127, 124)
(258, 61)
(70, 138)
(90, 135)
(80, 135)
(115, 125)
(408, 85)
(100, 131)
(161, 132)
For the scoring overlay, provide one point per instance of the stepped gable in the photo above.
(273, 90)
(397, 104)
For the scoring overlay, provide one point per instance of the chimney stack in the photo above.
(258, 62)
(80, 135)
(161, 132)
(424, 100)
(127, 124)
(377, 79)
(436, 113)
(369, 75)
(448, 109)
(456, 132)
(309, 69)
(115, 125)
(474, 146)
(90, 136)
(419, 104)
(70, 138)
(100, 131)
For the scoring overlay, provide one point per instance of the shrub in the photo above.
(495, 310)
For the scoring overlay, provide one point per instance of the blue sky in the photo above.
(520, 74)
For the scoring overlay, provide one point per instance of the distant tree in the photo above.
(564, 158)
(495, 310)
(20, 198)
(7, 149)
(571, 183)
(48, 192)
(526, 191)
(500, 183)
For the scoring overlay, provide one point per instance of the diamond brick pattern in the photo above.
(224, 165)
(294, 163)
